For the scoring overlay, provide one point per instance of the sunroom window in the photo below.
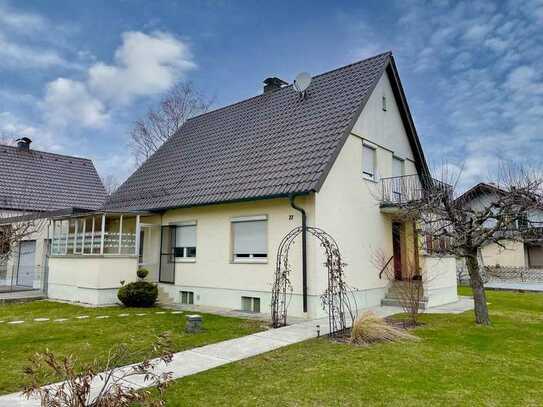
(250, 238)
(99, 234)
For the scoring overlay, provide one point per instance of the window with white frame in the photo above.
(250, 238)
(368, 162)
(187, 297)
(185, 241)
(250, 304)
(83, 236)
(397, 181)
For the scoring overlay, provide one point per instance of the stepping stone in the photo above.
(140, 315)
(124, 315)
(177, 312)
(102, 316)
(16, 322)
(160, 312)
(40, 319)
(82, 317)
(1, 322)
(60, 320)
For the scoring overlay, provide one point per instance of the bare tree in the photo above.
(110, 183)
(463, 229)
(179, 104)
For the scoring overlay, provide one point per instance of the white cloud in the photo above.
(67, 101)
(14, 55)
(20, 21)
(144, 65)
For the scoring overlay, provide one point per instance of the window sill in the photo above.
(185, 259)
(250, 260)
(90, 256)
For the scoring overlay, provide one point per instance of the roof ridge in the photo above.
(48, 153)
(290, 85)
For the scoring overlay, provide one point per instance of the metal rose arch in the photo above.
(335, 299)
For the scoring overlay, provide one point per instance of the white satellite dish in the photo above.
(302, 82)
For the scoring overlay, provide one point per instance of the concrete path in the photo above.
(515, 286)
(208, 357)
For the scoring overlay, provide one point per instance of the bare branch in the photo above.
(178, 105)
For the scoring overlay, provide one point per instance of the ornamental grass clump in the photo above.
(370, 328)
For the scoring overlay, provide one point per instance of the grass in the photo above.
(456, 363)
(91, 338)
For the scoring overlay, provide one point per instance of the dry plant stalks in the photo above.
(96, 385)
(370, 328)
(410, 290)
(180, 104)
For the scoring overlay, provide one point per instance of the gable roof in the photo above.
(272, 145)
(479, 189)
(39, 181)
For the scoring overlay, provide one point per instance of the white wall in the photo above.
(439, 273)
(348, 205)
(89, 279)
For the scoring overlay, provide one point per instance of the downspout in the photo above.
(304, 249)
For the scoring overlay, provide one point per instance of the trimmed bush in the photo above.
(138, 294)
(142, 273)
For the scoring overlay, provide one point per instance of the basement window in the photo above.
(250, 304)
(250, 240)
(187, 297)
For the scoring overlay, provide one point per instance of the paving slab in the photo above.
(240, 348)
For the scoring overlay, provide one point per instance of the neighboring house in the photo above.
(35, 185)
(526, 253)
(207, 212)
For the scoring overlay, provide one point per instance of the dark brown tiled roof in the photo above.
(39, 181)
(270, 145)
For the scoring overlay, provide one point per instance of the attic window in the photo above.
(384, 103)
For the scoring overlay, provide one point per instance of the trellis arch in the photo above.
(335, 298)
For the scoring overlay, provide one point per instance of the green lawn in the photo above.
(455, 364)
(91, 338)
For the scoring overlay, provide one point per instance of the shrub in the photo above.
(138, 294)
(370, 328)
(142, 273)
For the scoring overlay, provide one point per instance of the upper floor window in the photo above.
(250, 239)
(398, 167)
(368, 162)
(185, 240)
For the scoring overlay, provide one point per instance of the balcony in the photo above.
(398, 191)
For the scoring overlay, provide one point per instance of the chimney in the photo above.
(23, 144)
(273, 84)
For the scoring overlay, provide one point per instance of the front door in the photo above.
(397, 249)
(27, 263)
(149, 250)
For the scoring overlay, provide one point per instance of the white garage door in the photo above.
(27, 263)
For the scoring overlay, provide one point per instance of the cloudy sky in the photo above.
(75, 75)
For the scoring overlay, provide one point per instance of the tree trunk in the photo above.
(479, 295)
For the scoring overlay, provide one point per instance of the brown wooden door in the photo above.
(397, 249)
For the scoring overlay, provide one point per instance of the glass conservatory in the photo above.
(96, 234)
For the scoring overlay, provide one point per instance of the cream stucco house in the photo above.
(206, 213)
(519, 253)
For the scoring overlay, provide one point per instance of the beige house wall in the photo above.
(511, 255)
(89, 279)
(216, 279)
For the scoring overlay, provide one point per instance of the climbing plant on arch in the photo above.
(336, 298)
